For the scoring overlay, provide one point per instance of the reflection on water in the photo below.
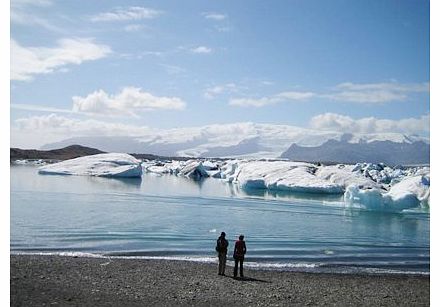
(285, 195)
(173, 216)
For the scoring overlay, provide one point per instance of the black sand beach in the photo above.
(68, 281)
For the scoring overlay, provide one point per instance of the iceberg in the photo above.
(411, 192)
(193, 169)
(102, 165)
(296, 176)
(368, 185)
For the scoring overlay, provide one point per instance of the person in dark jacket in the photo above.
(239, 252)
(222, 250)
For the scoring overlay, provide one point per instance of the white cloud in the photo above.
(342, 123)
(214, 91)
(390, 86)
(129, 101)
(252, 102)
(125, 14)
(35, 131)
(29, 61)
(375, 92)
(296, 95)
(215, 16)
(56, 124)
(264, 101)
(38, 130)
(201, 49)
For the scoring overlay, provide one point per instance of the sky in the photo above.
(87, 68)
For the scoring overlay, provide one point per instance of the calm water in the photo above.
(177, 218)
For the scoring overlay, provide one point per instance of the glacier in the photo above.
(363, 185)
(102, 165)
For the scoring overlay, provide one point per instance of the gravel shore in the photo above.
(69, 281)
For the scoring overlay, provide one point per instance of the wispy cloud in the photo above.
(32, 107)
(218, 21)
(173, 69)
(214, 91)
(343, 123)
(22, 18)
(126, 14)
(367, 93)
(23, 13)
(371, 93)
(215, 16)
(128, 102)
(201, 49)
(270, 100)
(29, 61)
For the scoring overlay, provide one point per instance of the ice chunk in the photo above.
(103, 165)
(411, 192)
(208, 165)
(416, 185)
(283, 175)
(345, 175)
(193, 169)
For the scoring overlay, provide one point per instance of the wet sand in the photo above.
(69, 281)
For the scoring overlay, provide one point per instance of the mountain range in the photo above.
(387, 152)
(250, 140)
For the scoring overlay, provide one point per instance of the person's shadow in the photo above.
(251, 279)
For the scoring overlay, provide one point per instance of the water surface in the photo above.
(177, 218)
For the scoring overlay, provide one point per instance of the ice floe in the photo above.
(373, 186)
(103, 165)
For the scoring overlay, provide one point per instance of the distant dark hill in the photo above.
(388, 152)
(128, 144)
(75, 151)
(65, 153)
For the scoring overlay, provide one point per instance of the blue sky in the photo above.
(82, 67)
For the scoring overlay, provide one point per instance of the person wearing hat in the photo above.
(222, 250)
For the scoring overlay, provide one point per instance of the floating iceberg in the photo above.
(373, 186)
(102, 165)
(411, 192)
(286, 176)
(194, 169)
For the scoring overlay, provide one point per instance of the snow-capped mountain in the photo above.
(244, 140)
(388, 152)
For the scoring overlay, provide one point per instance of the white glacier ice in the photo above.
(372, 186)
(282, 175)
(103, 165)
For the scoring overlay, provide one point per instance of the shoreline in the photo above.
(269, 266)
(69, 281)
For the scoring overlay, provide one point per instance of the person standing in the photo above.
(239, 252)
(222, 250)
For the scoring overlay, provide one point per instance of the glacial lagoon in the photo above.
(171, 217)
